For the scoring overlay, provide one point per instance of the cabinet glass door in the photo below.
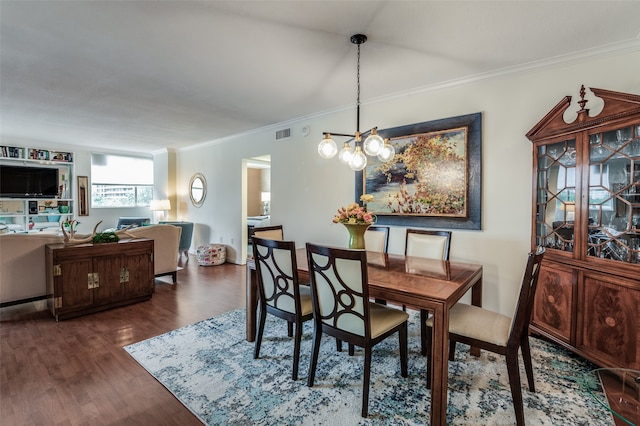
(614, 195)
(556, 195)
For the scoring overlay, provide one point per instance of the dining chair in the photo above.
(280, 293)
(273, 232)
(427, 243)
(377, 239)
(431, 244)
(341, 309)
(498, 333)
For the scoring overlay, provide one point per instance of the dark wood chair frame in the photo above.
(424, 314)
(518, 336)
(293, 319)
(347, 293)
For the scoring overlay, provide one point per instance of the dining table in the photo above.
(434, 285)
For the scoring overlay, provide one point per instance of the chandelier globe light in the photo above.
(327, 148)
(387, 152)
(373, 144)
(345, 153)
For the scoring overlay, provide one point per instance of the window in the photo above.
(121, 181)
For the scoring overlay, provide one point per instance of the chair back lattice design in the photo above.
(277, 273)
(522, 314)
(274, 232)
(340, 297)
(377, 239)
(428, 243)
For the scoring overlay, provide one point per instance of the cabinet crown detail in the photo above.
(617, 106)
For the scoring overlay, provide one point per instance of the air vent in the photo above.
(283, 134)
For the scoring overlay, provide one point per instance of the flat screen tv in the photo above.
(28, 182)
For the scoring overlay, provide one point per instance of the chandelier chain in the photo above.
(358, 76)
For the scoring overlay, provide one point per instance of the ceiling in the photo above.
(148, 75)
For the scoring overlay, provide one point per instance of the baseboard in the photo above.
(21, 301)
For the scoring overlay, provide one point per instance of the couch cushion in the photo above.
(22, 265)
(166, 239)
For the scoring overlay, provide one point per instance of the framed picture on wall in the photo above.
(83, 196)
(434, 179)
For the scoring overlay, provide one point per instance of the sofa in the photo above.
(134, 222)
(166, 240)
(22, 266)
(22, 260)
(185, 237)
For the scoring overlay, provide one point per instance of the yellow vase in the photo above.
(356, 234)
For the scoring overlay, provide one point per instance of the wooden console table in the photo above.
(87, 278)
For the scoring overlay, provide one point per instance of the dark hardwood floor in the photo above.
(75, 372)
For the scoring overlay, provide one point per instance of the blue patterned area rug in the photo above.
(210, 368)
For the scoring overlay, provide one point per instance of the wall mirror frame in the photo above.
(197, 189)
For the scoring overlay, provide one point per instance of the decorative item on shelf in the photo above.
(373, 145)
(63, 209)
(356, 220)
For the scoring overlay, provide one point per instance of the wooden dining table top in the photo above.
(411, 280)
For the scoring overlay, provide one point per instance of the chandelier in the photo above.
(373, 145)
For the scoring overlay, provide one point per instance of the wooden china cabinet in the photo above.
(586, 212)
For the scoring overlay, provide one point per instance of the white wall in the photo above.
(306, 190)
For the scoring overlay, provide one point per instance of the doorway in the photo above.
(257, 201)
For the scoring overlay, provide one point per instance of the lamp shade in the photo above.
(160, 205)
(265, 196)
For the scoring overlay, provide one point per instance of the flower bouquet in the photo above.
(356, 219)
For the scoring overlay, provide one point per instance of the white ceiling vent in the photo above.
(283, 134)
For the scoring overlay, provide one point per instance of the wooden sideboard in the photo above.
(87, 278)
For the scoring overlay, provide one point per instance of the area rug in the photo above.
(209, 367)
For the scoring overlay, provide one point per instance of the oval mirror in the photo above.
(197, 189)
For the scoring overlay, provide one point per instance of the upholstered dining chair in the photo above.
(341, 309)
(498, 333)
(427, 243)
(377, 239)
(274, 232)
(280, 293)
(431, 244)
